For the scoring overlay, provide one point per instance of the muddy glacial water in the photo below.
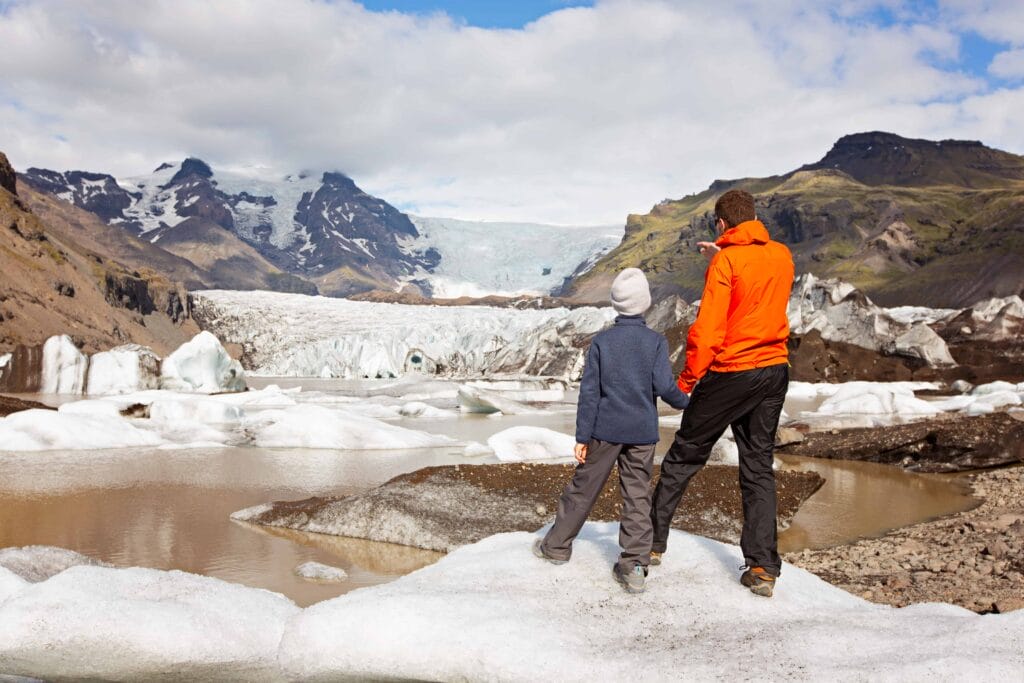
(169, 509)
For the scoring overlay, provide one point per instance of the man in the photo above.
(737, 350)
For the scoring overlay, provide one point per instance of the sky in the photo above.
(535, 110)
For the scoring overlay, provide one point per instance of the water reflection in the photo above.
(170, 510)
(862, 499)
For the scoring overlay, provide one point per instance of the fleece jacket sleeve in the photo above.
(590, 396)
(664, 384)
(707, 333)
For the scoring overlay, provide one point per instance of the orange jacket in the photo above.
(742, 321)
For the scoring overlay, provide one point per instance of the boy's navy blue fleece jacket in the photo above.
(627, 369)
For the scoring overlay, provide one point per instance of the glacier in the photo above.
(304, 336)
(481, 258)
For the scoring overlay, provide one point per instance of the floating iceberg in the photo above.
(523, 443)
(315, 571)
(64, 367)
(476, 400)
(43, 430)
(308, 426)
(202, 365)
(122, 370)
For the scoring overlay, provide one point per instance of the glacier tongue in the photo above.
(480, 258)
(304, 336)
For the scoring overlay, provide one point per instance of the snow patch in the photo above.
(35, 563)
(519, 618)
(142, 624)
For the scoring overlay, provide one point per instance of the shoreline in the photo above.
(973, 559)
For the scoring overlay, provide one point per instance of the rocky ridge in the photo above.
(53, 285)
(326, 231)
(839, 334)
(905, 221)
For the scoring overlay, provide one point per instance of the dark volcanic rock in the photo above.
(878, 158)
(23, 372)
(9, 404)
(190, 168)
(346, 226)
(8, 178)
(943, 445)
(442, 508)
(97, 193)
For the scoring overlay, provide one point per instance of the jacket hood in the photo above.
(749, 232)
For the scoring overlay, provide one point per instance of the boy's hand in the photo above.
(580, 451)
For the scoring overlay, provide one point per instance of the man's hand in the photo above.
(580, 452)
(709, 249)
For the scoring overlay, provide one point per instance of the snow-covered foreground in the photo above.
(493, 611)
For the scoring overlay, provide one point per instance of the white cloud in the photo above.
(997, 20)
(1008, 65)
(583, 116)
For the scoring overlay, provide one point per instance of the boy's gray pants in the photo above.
(635, 530)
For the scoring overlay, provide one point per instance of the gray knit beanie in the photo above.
(630, 292)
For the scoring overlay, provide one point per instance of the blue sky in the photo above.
(975, 55)
(482, 13)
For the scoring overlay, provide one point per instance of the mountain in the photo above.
(912, 222)
(887, 159)
(60, 279)
(276, 234)
(309, 233)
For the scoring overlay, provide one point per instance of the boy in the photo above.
(617, 421)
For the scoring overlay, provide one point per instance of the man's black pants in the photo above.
(751, 401)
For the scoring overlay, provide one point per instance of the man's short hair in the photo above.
(735, 207)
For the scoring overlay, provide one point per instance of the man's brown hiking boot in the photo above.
(758, 581)
(655, 558)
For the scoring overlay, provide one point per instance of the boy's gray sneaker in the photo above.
(539, 552)
(634, 581)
